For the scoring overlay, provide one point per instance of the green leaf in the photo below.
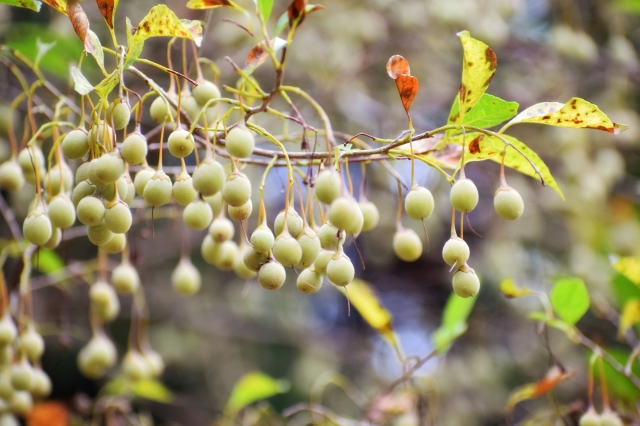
(454, 321)
(108, 84)
(488, 112)
(264, 8)
(478, 67)
(576, 114)
(570, 299)
(630, 6)
(97, 51)
(81, 84)
(282, 23)
(624, 289)
(481, 147)
(152, 390)
(630, 268)
(620, 387)
(48, 261)
(28, 4)
(252, 387)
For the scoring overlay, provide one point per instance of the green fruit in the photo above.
(21, 374)
(183, 192)
(101, 133)
(240, 142)
(186, 279)
(106, 169)
(287, 250)
(157, 191)
(134, 148)
(131, 189)
(419, 203)
(181, 143)
(222, 255)
(6, 390)
(253, 260)
(41, 384)
(310, 245)
(609, 418)
(240, 268)
(294, 222)
(82, 190)
(104, 301)
(30, 159)
(37, 227)
(240, 213)
(508, 203)
(21, 403)
(216, 202)
(271, 276)
(330, 236)
(155, 364)
(32, 343)
(262, 239)
(8, 330)
(75, 144)
(237, 189)
(328, 186)
(82, 172)
(322, 261)
(205, 91)
(189, 105)
(8, 419)
(197, 215)
(370, 214)
(90, 211)
(221, 229)
(466, 282)
(209, 177)
(6, 355)
(98, 356)
(54, 240)
(109, 190)
(159, 110)
(125, 278)
(407, 245)
(11, 177)
(120, 114)
(309, 281)
(142, 178)
(464, 195)
(135, 366)
(455, 251)
(116, 244)
(346, 214)
(62, 214)
(340, 270)
(58, 178)
(118, 218)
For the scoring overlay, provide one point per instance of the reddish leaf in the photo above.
(407, 88)
(80, 24)
(554, 376)
(397, 65)
(107, 8)
(207, 4)
(297, 10)
(256, 56)
(474, 145)
(48, 414)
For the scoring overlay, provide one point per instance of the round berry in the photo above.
(181, 143)
(106, 169)
(41, 384)
(221, 229)
(197, 215)
(309, 281)
(183, 192)
(464, 195)
(240, 213)
(118, 218)
(346, 214)
(330, 236)
(294, 222)
(157, 191)
(58, 178)
(370, 214)
(11, 177)
(159, 110)
(310, 245)
(75, 144)
(287, 250)
(407, 245)
(205, 91)
(455, 251)
(120, 114)
(240, 142)
(142, 178)
(134, 148)
(97, 356)
(466, 283)
(32, 343)
(62, 214)
(241, 269)
(328, 186)
(8, 330)
(30, 159)
(271, 276)
(21, 374)
(21, 403)
(37, 227)
(90, 211)
(125, 278)
(322, 261)
(82, 172)
(237, 189)
(216, 202)
(209, 177)
(253, 260)
(186, 279)
(508, 203)
(116, 244)
(340, 270)
(262, 239)
(135, 366)
(419, 203)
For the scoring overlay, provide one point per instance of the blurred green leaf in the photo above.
(48, 261)
(631, 6)
(630, 268)
(152, 390)
(478, 67)
(282, 23)
(454, 321)
(624, 289)
(42, 50)
(629, 317)
(28, 4)
(108, 84)
(570, 299)
(374, 313)
(620, 387)
(252, 387)
(264, 8)
(488, 112)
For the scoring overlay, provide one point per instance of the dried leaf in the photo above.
(577, 113)
(258, 55)
(208, 4)
(297, 10)
(283, 21)
(407, 88)
(80, 24)
(553, 378)
(48, 414)
(81, 84)
(108, 10)
(509, 288)
(397, 65)
(478, 67)
(27, 4)
(629, 317)
(59, 5)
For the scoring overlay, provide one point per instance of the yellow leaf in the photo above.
(59, 5)
(577, 114)
(630, 268)
(366, 302)
(478, 67)
(630, 316)
(511, 290)
(208, 4)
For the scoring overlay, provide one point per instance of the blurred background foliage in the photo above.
(547, 51)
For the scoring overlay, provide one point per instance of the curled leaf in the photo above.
(407, 88)
(108, 10)
(478, 68)
(81, 84)
(208, 4)
(297, 10)
(258, 55)
(397, 65)
(553, 378)
(509, 288)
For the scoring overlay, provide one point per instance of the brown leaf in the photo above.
(297, 10)
(48, 414)
(256, 56)
(397, 65)
(474, 145)
(107, 8)
(407, 88)
(207, 4)
(80, 24)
